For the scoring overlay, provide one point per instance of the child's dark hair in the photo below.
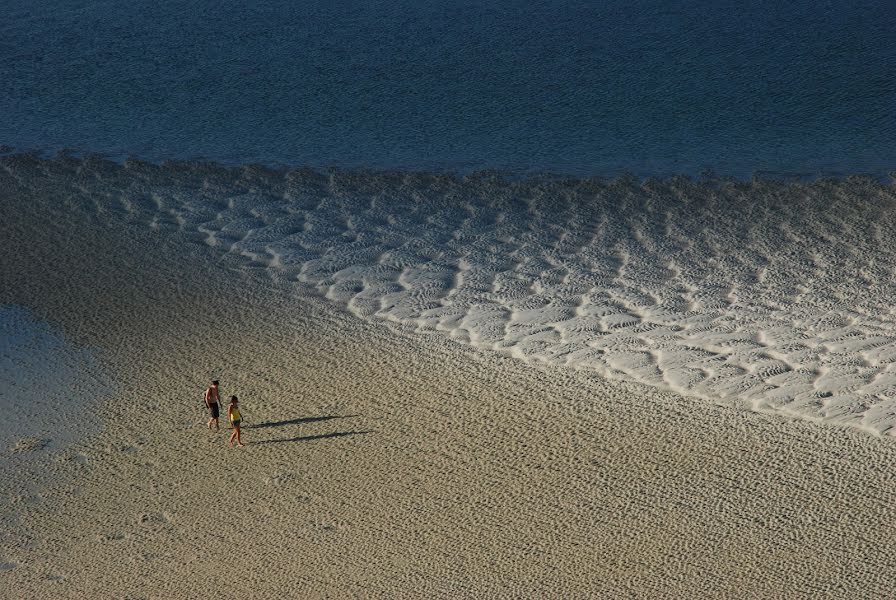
(233, 399)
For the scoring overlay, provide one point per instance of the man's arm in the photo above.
(207, 394)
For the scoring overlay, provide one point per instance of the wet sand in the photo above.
(382, 463)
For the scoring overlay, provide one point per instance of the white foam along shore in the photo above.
(776, 296)
(382, 462)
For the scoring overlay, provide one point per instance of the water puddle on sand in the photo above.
(49, 389)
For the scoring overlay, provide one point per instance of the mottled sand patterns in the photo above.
(478, 475)
(676, 253)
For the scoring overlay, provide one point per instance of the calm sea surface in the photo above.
(573, 87)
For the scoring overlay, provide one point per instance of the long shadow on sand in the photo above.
(309, 438)
(298, 421)
(301, 421)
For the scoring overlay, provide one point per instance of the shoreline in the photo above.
(396, 464)
(523, 174)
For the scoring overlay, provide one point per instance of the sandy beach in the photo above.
(384, 460)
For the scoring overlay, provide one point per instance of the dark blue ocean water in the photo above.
(650, 87)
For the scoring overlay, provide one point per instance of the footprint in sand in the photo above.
(153, 519)
(29, 444)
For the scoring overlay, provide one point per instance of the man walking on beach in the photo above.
(212, 399)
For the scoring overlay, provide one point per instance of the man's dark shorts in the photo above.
(213, 410)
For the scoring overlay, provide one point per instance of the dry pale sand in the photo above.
(388, 465)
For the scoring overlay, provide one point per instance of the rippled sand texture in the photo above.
(381, 463)
(771, 295)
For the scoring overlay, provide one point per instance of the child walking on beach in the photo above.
(233, 411)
